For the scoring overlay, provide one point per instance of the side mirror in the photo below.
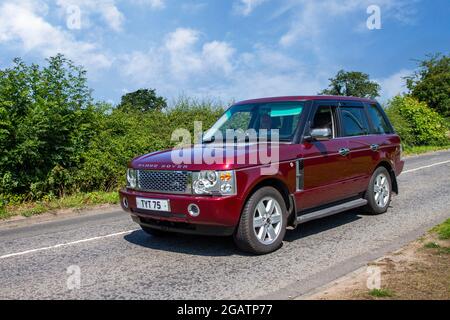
(320, 134)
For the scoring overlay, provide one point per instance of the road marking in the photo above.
(429, 166)
(130, 231)
(66, 244)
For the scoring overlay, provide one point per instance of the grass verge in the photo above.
(443, 230)
(418, 271)
(409, 151)
(77, 201)
(381, 293)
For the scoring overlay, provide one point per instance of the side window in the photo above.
(354, 121)
(325, 119)
(378, 121)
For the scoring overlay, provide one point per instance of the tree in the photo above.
(431, 83)
(355, 84)
(142, 100)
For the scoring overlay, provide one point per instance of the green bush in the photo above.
(46, 120)
(55, 141)
(447, 123)
(416, 123)
(125, 135)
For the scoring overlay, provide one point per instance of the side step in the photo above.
(331, 210)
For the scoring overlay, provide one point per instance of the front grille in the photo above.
(164, 181)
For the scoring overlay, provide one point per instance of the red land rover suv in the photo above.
(334, 154)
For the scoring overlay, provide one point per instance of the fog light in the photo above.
(194, 210)
(125, 202)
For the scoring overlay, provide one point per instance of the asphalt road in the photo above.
(118, 261)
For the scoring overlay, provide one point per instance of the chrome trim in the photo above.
(331, 210)
(344, 152)
(188, 189)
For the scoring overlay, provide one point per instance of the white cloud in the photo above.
(213, 69)
(142, 67)
(106, 9)
(246, 7)
(113, 17)
(217, 55)
(180, 58)
(183, 59)
(266, 72)
(153, 4)
(311, 19)
(394, 84)
(181, 39)
(21, 24)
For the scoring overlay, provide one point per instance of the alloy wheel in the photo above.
(381, 190)
(267, 220)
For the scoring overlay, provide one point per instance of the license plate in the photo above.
(152, 204)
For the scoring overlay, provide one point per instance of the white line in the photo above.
(425, 167)
(66, 244)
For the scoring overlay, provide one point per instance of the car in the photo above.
(335, 154)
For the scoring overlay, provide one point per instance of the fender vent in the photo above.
(300, 175)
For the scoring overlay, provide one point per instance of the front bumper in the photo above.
(218, 215)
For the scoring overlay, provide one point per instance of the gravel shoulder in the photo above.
(418, 271)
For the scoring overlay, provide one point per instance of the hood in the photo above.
(215, 157)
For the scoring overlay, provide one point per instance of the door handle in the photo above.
(344, 152)
(375, 147)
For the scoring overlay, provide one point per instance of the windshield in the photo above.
(261, 118)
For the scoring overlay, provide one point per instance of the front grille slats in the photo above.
(164, 181)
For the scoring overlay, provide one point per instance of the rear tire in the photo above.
(379, 192)
(153, 232)
(263, 222)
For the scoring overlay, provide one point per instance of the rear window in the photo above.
(380, 125)
(354, 121)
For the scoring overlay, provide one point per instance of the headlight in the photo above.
(131, 178)
(214, 182)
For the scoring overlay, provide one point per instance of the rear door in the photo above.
(382, 137)
(355, 129)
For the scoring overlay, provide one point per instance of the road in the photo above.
(118, 261)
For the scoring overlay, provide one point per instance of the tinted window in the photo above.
(354, 121)
(378, 121)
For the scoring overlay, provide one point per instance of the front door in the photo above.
(325, 164)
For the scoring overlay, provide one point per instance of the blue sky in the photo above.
(228, 50)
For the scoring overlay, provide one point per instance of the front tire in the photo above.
(263, 222)
(379, 192)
